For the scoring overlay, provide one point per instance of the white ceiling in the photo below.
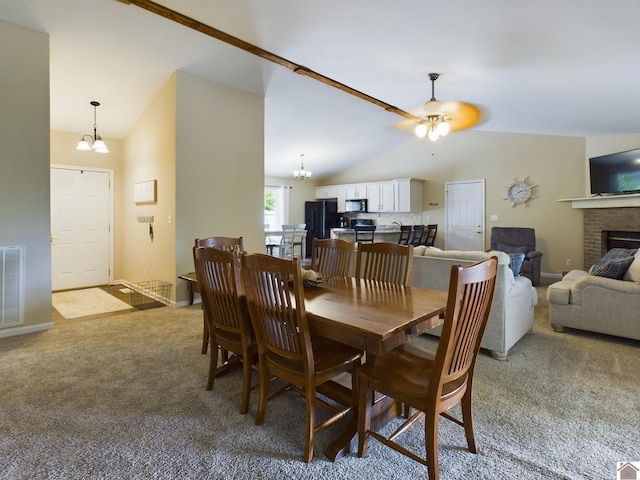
(566, 67)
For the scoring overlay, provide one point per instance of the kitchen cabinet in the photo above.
(401, 195)
(323, 193)
(357, 191)
(383, 197)
(409, 194)
(341, 195)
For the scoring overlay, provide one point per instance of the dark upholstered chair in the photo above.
(519, 240)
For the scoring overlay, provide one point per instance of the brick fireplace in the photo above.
(622, 224)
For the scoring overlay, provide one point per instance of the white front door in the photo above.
(464, 204)
(80, 227)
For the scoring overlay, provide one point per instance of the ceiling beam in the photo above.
(260, 52)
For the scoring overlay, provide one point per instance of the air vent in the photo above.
(11, 286)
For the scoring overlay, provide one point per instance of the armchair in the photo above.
(519, 240)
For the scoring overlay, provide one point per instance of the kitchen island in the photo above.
(383, 234)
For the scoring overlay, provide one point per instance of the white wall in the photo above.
(24, 172)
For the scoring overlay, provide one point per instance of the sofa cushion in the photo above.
(512, 248)
(559, 292)
(515, 262)
(419, 250)
(614, 264)
(633, 272)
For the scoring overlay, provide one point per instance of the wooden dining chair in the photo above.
(286, 348)
(405, 234)
(418, 234)
(385, 262)
(226, 314)
(430, 382)
(331, 256)
(221, 243)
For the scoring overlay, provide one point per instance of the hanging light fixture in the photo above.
(302, 175)
(94, 142)
(434, 124)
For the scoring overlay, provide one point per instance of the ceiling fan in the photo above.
(441, 117)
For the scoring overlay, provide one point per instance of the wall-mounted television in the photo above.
(616, 173)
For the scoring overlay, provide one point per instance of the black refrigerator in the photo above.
(320, 217)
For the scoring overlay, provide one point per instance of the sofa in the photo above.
(597, 303)
(511, 315)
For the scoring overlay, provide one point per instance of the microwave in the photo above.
(356, 206)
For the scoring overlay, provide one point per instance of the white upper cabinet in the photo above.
(409, 194)
(341, 195)
(402, 195)
(357, 191)
(338, 192)
(383, 197)
(323, 193)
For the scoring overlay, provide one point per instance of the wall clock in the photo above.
(519, 191)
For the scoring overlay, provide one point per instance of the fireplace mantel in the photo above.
(611, 201)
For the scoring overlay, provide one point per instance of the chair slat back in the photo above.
(277, 309)
(405, 234)
(430, 237)
(418, 233)
(364, 233)
(469, 302)
(220, 289)
(221, 243)
(385, 262)
(331, 256)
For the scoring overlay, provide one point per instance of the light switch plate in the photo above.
(494, 218)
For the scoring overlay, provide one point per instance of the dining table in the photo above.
(375, 317)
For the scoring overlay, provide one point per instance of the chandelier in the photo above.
(94, 142)
(302, 175)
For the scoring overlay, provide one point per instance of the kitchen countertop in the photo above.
(379, 229)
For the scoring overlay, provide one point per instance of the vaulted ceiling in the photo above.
(545, 67)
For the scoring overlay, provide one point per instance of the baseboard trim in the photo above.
(14, 331)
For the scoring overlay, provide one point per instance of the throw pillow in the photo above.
(633, 272)
(512, 248)
(614, 264)
(515, 263)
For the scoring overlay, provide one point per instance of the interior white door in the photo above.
(464, 203)
(80, 238)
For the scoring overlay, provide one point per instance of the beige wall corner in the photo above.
(219, 167)
(24, 182)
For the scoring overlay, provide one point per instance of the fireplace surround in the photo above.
(606, 228)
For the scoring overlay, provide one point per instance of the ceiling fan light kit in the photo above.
(442, 117)
(95, 142)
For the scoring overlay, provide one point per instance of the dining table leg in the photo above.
(384, 409)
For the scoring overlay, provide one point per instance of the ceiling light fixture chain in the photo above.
(302, 175)
(94, 142)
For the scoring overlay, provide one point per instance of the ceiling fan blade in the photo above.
(459, 115)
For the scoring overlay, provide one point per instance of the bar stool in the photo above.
(364, 233)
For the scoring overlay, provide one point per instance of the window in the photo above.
(276, 206)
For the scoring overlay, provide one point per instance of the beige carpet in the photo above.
(125, 398)
(89, 301)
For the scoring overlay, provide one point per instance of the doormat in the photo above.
(85, 302)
